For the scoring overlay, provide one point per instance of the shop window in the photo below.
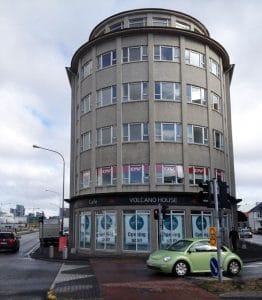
(106, 228)
(135, 174)
(201, 221)
(173, 228)
(198, 175)
(85, 230)
(169, 174)
(136, 230)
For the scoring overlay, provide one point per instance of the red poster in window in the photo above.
(135, 168)
(199, 171)
(106, 171)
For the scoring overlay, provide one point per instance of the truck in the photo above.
(49, 232)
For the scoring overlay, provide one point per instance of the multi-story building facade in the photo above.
(150, 120)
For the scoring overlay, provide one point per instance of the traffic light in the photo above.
(41, 219)
(156, 214)
(164, 211)
(223, 196)
(206, 193)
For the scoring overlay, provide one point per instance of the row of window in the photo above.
(164, 91)
(164, 132)
(139, 174)
(161, 53)
(136, 233)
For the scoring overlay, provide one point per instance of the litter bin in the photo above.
(51, 251)
(65, 252)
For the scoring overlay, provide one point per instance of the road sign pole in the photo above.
(220, 278)
(160, 227)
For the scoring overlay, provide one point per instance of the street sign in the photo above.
(213, 236)
(213, 266)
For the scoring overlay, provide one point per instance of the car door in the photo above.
(200, 254)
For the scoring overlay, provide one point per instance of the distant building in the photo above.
(150, 120)
(19, 211)
(255, 217)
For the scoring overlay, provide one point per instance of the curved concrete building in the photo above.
(150, 120)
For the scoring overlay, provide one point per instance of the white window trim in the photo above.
(112, 135)
(166, 22)
(162, 174)
(144, 137)
(143, 94)
(203, 95)
(85, 104)
(112, 179)
(206, 176)
(188, 59)
(85, 146)
(143, 54)
(177, 138)
(217, 66)
(218, 103)
(99, 96)
(174, 51)
(191, 139)
(112, 59)
(82, 179)
(175, 84)
(221, 139)
(129, 174)
(87, 69)
(139, 20)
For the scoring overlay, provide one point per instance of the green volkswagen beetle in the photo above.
(193, 256)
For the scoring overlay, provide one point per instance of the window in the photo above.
(106, 230)
(169, 174)
(106, 176)
(86, 104)
(116, 26)
(85, 179)
(85, 141)
(137, 22)
(195, 58)
(168, 132)
(201, 221)
(198, 174)
(138, 53)
(106, 96)
(215, 68)
(219, 175)
(182, 25)
(135, 91)
(167, 53)
(106, 135)
(85, 230)
(196, 94)
(106, 59)
(216, 102)
(135, 174)
(168, 91)
(135, 132)
(218, 139)
(197, 135)
(173, 228)
(163, 22)
(87, 69)
(136, 230)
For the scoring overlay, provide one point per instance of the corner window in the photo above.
(169, 174)
(162, 22)
(106, 59)
(106, 176)
(168, 132)
(85, 179)
(215, 68)
(137, 53)
(106, 135)
(135, 91)
(194, 58)
(166, 53)
(87, 69)
(106, 229)
(218, 139)
(106, 96)
(137, 22)
(197, 135)
(196, 95)
(85, 141)
(198, 175)
(136, 174)
(136, 230)
(168, 91)
(216, 102)
(133, 132)
(86, 104)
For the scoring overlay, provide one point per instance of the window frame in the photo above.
(112, 58)
(85, 176)
(192, 180)
(219, 174)
(99, 135)
(177, 93)
(126, 54)
(191, 139)
(116, 26)
(137, 22)
(158, 53)
(87, 69)
(126, 91)
(182, 25)
(85, 104)
(100, 98)
(216, 101)
(127, 176)
(190, 61)
(157, 21)
(100, 178)
(127, 132)
(218, 143)
(214, 67)
(203, 95)
(85, 143)
(160, 175)
(177, 129)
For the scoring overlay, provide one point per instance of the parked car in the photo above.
(245, 233)
(193, 256)
(9, 241)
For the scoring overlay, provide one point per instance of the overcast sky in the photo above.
(38, 40)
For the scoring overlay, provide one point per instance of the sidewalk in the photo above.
(117, 278)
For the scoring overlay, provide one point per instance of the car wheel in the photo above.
(181, 268)
(233, 268)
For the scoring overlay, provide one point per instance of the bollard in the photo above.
(65, 252)
(51, 251)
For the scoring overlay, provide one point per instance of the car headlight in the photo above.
(167, 258)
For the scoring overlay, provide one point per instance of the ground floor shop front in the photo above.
(127, 224)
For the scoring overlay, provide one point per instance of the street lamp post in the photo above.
(63, 190)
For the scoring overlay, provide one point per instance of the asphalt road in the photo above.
(22, 277)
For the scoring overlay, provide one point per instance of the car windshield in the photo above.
(180, 245)
(6, 235)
